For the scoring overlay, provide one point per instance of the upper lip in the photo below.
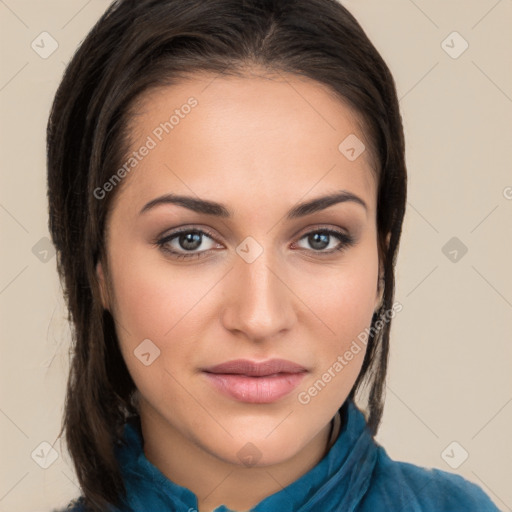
(255, 368)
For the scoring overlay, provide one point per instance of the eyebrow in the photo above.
(219, 210)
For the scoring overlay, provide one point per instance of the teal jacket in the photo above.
(356, 475)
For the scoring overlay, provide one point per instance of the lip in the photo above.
(255, 382)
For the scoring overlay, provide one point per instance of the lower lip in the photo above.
(256, 390)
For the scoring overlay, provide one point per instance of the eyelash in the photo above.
(346, 241)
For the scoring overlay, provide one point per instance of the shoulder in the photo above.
(419, 489)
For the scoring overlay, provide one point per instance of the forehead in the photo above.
(219, 137)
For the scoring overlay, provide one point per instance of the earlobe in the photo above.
(102, 285)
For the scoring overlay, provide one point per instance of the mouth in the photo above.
(255, 382)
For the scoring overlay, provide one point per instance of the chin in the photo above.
(258, 447)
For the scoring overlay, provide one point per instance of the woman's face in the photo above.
(261, 281)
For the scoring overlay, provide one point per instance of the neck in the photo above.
(334, 432)
(216, 481)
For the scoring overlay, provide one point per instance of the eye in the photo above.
(332, 240)
(185, 243)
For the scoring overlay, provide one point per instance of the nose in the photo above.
(258, 302)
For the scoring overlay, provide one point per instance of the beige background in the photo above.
(450, 370)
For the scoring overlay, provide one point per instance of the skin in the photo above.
(259, 145)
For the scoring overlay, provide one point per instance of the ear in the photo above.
(103, 285)
(381, 281)
(380, 290)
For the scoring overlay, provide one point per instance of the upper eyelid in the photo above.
(179, 231)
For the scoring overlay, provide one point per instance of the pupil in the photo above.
(190, 241)
(319, 240)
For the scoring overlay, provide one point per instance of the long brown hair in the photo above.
(142, 44)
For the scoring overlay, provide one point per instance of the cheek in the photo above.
(152, 297)
(154, 302)
(344, 303)
(342, 298)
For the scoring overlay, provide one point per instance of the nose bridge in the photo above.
(260, 304)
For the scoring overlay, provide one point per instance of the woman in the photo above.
(227, 186)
